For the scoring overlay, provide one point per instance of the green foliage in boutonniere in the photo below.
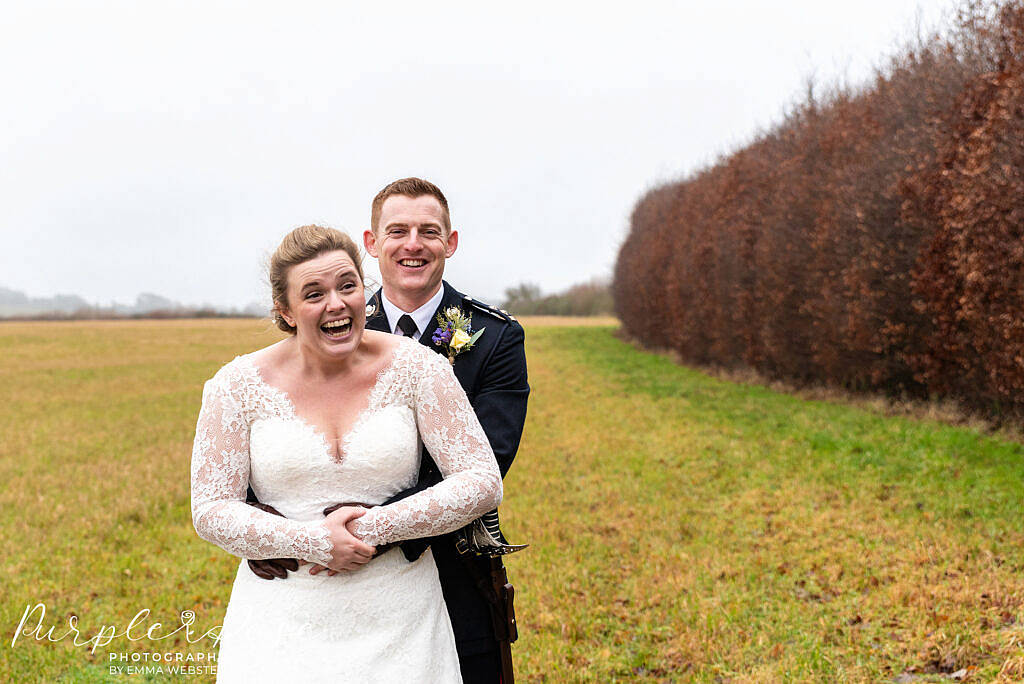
(454, 333)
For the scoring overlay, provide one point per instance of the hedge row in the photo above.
(871, 240)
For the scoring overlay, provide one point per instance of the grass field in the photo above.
(682, 527)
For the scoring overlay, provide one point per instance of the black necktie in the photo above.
(407, 325)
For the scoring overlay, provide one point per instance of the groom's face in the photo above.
(411, 243)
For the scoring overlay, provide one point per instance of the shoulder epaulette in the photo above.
(488, 309)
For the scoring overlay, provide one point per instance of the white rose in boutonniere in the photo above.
(453, 332)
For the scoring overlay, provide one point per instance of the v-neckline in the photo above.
(343, 438)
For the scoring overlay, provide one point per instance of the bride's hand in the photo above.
(349, 552)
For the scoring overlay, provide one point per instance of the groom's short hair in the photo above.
(408, 187)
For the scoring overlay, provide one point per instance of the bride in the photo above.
(335, 413)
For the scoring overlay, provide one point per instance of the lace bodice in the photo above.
(249, 433)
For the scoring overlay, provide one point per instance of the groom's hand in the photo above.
(270, 568)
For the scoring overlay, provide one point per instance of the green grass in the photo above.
(681, 527)
(716, 531)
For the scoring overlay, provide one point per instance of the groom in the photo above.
(411, 237)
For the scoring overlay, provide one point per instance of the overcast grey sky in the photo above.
(167, 147)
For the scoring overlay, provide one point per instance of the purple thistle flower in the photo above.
(442, 335)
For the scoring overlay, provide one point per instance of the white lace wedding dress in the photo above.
(385, 622)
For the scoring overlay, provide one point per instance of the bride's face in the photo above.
(326, 304)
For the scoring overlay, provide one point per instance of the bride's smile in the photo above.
(337, 329)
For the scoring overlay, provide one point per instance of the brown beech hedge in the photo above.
(874, 239)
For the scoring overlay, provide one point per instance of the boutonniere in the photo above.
(454, 333)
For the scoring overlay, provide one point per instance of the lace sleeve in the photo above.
(453, 436)
(220, 475)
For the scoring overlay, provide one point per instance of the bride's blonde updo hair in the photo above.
(301, 245)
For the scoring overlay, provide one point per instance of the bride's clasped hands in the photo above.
(348, 552)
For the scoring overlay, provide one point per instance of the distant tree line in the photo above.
(874, 239)
(106, 314)
(593, 298)
(15, 305)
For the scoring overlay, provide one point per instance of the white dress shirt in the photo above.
(421, 316)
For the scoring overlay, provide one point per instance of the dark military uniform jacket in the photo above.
(493, 374)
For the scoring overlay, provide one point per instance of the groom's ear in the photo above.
(451, 244)
(370, 243)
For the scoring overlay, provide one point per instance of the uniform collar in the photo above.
(421, 316)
